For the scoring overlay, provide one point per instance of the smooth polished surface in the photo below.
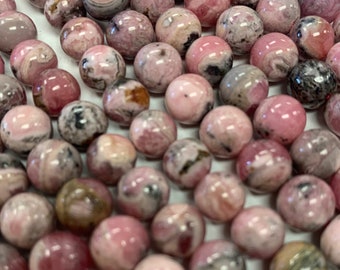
(10, 258)
(104, 9)
(155, 261)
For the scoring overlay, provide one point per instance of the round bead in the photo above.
(178, 27)
(210, 57)
(82, 203)
(225, 130)
(332, 114)
(2, 65)
(100, 66)
(280, 118)
(258, 231)
(10, 258)
(240, 27)
(326, 9)
(333, 59)
(329, 241)
(335, 185)
(188, 98)
(23, 127)
(6, 5)
(104, 9)
(109, 157)
(336, 28)
(154, 261)
(186, 162)
(52, 163)
(31, 215)
(124, 234)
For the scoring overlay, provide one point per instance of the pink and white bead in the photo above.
(333, 58)
(10, 258)
(327, 9)
(332, 114)
(158, 262)
(329, 241)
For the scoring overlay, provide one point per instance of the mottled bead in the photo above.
(240, 27)
(225, 130)
(335, 186)
(333, 59)
(316, 152)
(244, 86)
(332, 114)
(129, 31)
(178, 27)
(156, 65)
(220, 196)
(178, 229)
(327, 9)
(25, 218)
(280, 118)
(6, 5)
(109, 157)
(249, 3)
(329, 241)
(142, 192)
(258, 231)
(210, 57)
(188, 98)
(82, 203)
(154, 261)
(80, 122)
(11, 259)
(104, 10)
(186, 162)
(100, 66)
(336, 28)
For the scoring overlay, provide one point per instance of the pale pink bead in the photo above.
(329, 241)
(158, 262)
(333, 58)
(6, 5)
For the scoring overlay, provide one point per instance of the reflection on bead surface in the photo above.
(6, 5)
(333, 58)
(327, 9)
(104, 9)
(329, 241)
(154, 261)
(11, 259)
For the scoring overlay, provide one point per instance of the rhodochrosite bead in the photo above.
(333, 58)
(11, 259)
(104, 9)
(6, 5)
(336, 28)
(335, 185)
(329, 241)
(332, 114)
(328, 9)
(158, 262)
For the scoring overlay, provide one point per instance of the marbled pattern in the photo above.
(249, 3)
(333, 59)
(329, 241)
(158, 262)
(104, 9)
(331, 114)
(336, 28)
(11, 259)
(327, 9)
(6, 5)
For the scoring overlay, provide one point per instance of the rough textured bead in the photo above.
(82, 203)
(104, 10)
(188, 98)
(225, 130)
(244, 86)
(317, 152)
(333, 59)
(126, 236)
(280, 118)
(332, 114)
(258, 231)
(328, 9)
(52, 163)
(186, 162)
(178, 229)
(23, 127)
(6, 5)
(178, 27)
(142, 192)
(109, 157)
(10, 258)
(25, 218)
(220, 196)
(210, 57)
(100, 66)
(129, 31)
(240, 26)
(306, 203)
(329, 241)
(335, 185)
(155, 261)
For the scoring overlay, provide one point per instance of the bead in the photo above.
(2, 66)
(82, 203)
(306, 203)
(10, 258)
(15, 27)
(178, 229)
(331, 114)
(225, 130)
(217, 254)
(220, 196)
(141, 192)
(152, 132)
(249, 3)
(210, 57)
(60, 250)
(78, 35)
(154, 261)
(124, 234)
(329, 243)
(12, 93)
(326, 9)
(52, 163)
(333, 59)
(335, 186)
(264, 165)
(23, 127)
(13, 177)
(188, 98)
(275, 54)
(128, 31)
(314, 36)
(156, 65)
(109, 157)
(244, 86)
(53, 89)
(240, 27)
(25, 218)
(6, 5)
(186, 162)
(280, 118)
(336, 28)
(104, 10)
(258, 231)
(80, 122)
(316, 152)
(178, 27)
(100, 66)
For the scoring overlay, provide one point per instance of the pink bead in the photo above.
(104, 10)
(332, 114)
(158, 262)
(329, 241)
(6, 5)
(11, 259)
(333, 59)
(225, 130)
(125, 236)
(2, 66)
(220, 196)
(275, 54)
(280, 118)
(336, 28)
(335, 185)
(188, 98)
(258, 231)
(210, 57)
(328, 9)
